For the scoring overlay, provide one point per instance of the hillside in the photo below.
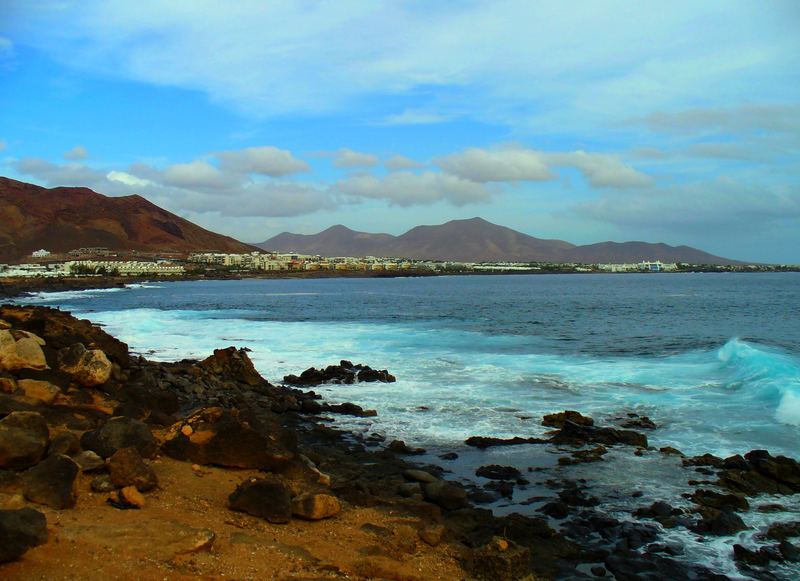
(477, 240)
(62, 219)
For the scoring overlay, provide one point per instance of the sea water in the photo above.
(712, 359)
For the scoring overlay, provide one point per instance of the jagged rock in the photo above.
(89, 367)
(22, 353)
(482, 442)
(127, 498)
(447, 495)
(127, 468)
(784, 530)
(349, 409)
(719, 523)
(764, 474)
(269, 499)
(556, 509)
(760, 557)
(344, 373)
(218, 437)
(234, 364)
(670, 451)
(89, 461)
(20, 530)
(635, 421)
(497, 472)
(52, 482)
(23, 439)
(312, 506)
(400, 447)
(64, 443)
(719, 501)
(704, 460)
(557, 420)
(500, 560)
(120, 432)
(578, 435)
(39, 391)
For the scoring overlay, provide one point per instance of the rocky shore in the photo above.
(114, 466)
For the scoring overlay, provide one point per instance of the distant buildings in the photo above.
(40, 253)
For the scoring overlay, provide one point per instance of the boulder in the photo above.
(126, 498)
(500, 560)
(102, 483)
(89, 461)
(216, 436)
(312, 506)
(497, 472)
(447, 495)
(39, 391)
(89, 367)
(345, 373)
(127, 468)
(120, 432)
(23, 353)
(64, 443)
(52, 482)
(20, 530)
(719, 523)
(557, 420)
(415, 475)
(267, 498)
(23, 439)
(719, 501)
(579, 435)
(400, 447)
(233, 364)
(483, 442)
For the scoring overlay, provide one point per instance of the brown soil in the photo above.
(95, 540)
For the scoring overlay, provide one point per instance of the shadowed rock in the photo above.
(20, 530)
(23, 439)
(127, 468)
(52, 482)
(117, 433)
(269, 499)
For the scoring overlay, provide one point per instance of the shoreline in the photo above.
(373, 479)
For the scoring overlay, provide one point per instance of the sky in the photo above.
(674, 122)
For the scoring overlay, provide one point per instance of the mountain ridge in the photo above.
(478, 240)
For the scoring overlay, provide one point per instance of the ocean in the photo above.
(712, 359)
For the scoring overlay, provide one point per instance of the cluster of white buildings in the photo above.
(278, 261)
(122, 268)
(644, 266)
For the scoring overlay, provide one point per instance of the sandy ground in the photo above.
(169, 538)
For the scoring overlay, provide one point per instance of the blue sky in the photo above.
(599, 120)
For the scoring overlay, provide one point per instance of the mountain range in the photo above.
(476, 240)
(63, 219)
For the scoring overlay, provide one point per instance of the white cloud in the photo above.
(398, 162)
(732, 120)
(348, 158)
(265, 160)
(76, 153)
(408, 189)
(601, 170)
(2, 145)
(415, 117)
(128, 179)
(197, 174)
(504, 165)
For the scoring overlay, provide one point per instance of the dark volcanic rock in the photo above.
(400, 447)
(719, 523)
(127, 468)
(233, 364)
(483, 442)
(117, 433)
(344, 373)
(557, 420)
(269, 499)
(23, 439)
(217, 436)
(64, 443)
(349, 409)
(52, 482)
(578, 435)
(500, 560)
(636, 422)
(719, 501)
(764, 474)
(20, 530)
(497, 472)
(448, 496)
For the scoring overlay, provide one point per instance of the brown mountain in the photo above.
(62, 219)
(477, 240)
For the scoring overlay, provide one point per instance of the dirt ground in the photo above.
(185, 531)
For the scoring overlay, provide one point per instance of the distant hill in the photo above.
(62, 219)
(477, 240)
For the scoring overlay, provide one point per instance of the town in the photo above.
(98, 262)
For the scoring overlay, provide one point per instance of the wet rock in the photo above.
(39, 391)
(419, 475)
(745, 556)
(64, 443)
(583, 456)
(344, 373)
(784, 530)
(636, 422)
(23, 353)
(789, 552)
(233, 364)
(120, 432)
(447, 495)
(598, 571)
(633, 536)
(736, 462)
(579, 435)
(88, 367)
(219, 437)
(89, 461)
(400, 447)
(349, 409)
(658, 509)
(719, 523)
(127, 498)
(102, 483)
(265, 498)
(315, 506)
(127, 468)
(632, 566)
(497, 472)
(500, 560)
(23, 439)
(574, 496)
(409, 489)
(20, 530)
(52, 482)
(557, 420)
(704, 460)
(719, 501)
(503, 487)
(483, 442)
(556, 509)
(670, 451)
(449, 456)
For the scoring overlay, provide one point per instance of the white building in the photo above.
(40, 253)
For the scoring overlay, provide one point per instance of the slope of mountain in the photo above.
(62, 219)
(477, 240)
